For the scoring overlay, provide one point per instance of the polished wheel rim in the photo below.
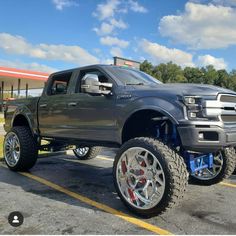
(12, 149)
(81, 151)
(140, 178)
(211, 173)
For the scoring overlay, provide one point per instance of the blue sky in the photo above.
(49, 35)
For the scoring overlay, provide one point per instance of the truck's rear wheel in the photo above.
(20, 149)
(149, 176)
(223, 166)
(86, 153)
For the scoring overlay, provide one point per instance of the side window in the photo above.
(59, 84)
(97, 75)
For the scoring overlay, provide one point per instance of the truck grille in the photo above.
(227, 98)
(229, 108)
(224, 107)
(227, 118)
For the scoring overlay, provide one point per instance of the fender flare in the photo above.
(154, 108)
(22, 111)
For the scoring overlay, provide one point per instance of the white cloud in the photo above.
(28, 66)
(201, 26)
(60, 4)
(107, 9)
(118, 23)
(225, 2)
(161, 54)
(104, 29)
(218, 63)
(109, 27)
(107, 61)
(136, 7)
(116, 52)
(108, 12)
(113, 41)
(59, 52)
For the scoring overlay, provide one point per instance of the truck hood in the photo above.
(180, 89)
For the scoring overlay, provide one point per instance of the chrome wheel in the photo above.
(12, 149)
(211, 173)
(140, 178)
(81, 152)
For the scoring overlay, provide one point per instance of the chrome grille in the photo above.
(228, 98)
(229, 105)
(227, 118)
(224, 107)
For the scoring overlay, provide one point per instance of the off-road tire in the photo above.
(92, 153)
(229, 163)
(28, 149)
(175, 170)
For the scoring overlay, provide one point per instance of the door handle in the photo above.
(72, 104)
(43, 105)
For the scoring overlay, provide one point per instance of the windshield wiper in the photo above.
(134, 84)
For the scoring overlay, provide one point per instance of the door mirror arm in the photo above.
(92, 85)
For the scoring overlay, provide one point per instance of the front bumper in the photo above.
(207, 138)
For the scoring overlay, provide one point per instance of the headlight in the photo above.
(194, 106)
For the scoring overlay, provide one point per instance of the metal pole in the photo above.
(18, 88)
(2, 89)
(2, 94)
(12, 91)
(1, 108)
(26, 90)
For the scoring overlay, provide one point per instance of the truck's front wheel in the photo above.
(149, 176)
(223, 166)
(86, 153)
(20, 149)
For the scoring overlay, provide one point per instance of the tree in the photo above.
(210, 75)
(146, 67)
(193, 75)
(172, 73)
(222, 79)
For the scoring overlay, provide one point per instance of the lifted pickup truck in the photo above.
(166, 132)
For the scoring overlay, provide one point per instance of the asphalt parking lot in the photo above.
(62, 195)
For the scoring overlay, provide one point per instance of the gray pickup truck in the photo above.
(167, 133)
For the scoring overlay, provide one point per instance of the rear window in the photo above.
(59, 83)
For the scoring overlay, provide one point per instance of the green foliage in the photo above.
(172, 73)
(1, 146)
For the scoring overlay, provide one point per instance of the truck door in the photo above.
(53, 106)
(93, 116)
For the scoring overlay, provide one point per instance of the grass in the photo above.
(1, 146)
(1, 139)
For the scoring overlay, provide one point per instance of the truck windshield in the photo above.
(133, 77)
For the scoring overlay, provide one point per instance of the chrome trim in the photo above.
(214, 108)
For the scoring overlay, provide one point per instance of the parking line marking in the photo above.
(101, 206)
(79, 161)
(228, 184)
(105, 158)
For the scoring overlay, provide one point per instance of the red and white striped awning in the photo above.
(24, 74)
(11, 76)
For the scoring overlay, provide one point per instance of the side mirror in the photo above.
(91, 84)
(59, 88)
